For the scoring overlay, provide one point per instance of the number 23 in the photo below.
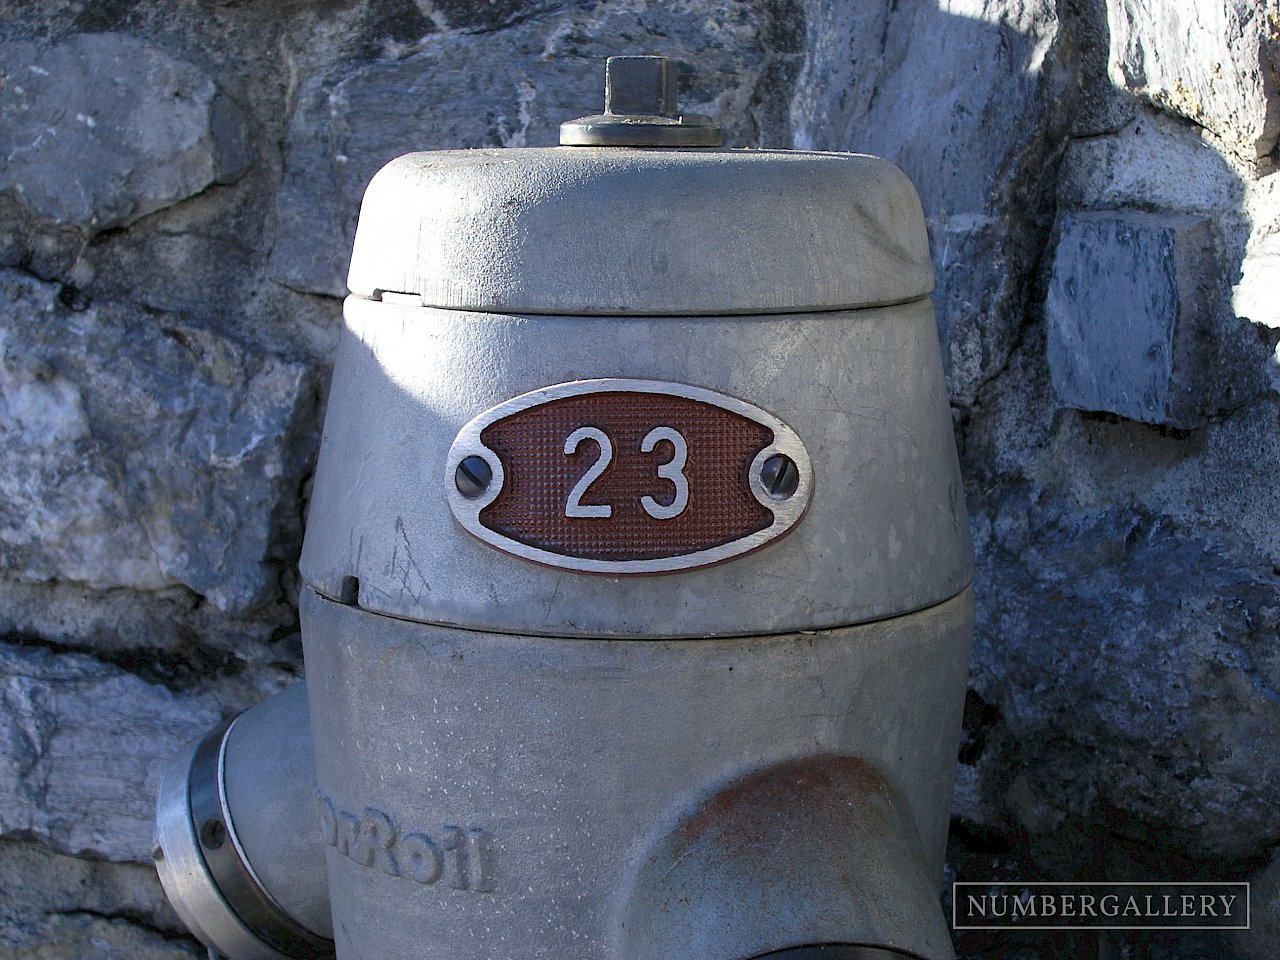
(671, 471)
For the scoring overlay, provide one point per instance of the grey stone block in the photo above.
(1135, 665)
(184, 637)
(1153, 163)
(1259, 941)
(904, 82)
(102, 129)
(140, 453)
(82, 745)
(37, 881)
(84, 936)
(1211, 61)
(1125, 314)
(1257, 295)
(512, 88)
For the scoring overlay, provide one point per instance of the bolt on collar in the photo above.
(640, 110)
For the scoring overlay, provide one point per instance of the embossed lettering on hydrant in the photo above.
(462, 855)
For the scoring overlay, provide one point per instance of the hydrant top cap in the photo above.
(624, 231)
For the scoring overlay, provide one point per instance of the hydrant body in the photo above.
(636, 616)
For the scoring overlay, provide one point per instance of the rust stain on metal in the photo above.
(815, 850)
(755, 805)
(836, 814)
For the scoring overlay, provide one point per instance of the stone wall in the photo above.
(179, 183)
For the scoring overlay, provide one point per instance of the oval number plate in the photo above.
(627, 476)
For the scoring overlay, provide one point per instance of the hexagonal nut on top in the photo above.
(640, 86)
(640, 110)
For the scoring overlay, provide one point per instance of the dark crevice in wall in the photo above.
(186, 669)
(106, 15)
(303, 291)
(134, 920)
(127, 916)
(980, 718)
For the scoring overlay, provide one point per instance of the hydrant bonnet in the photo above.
(791, 263)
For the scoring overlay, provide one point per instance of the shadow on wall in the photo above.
(1098, 177)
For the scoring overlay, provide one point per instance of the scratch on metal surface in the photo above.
(551, 601)
(405, 568)
(675, 863)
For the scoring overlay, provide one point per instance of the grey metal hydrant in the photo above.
(636, 611)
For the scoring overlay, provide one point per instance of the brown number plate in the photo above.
(627, 476)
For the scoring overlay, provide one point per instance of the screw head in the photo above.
(780, 476)
(213, 834)
(472, 476)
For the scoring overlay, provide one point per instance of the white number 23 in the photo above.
(671, 471)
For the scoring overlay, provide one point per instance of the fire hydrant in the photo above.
(636, 613)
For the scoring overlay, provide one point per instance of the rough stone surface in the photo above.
(1152, 162)
(972, 146)
(56, 906)
(40, 883)
(126, 129)
(1259, 941)
(102, 129)
(171, 439)
(1123, 313)
(1170, 735)
(1253, 296)
(511, 88)
(1211, 61)
(84, 936)
(83, 746)
(171, 313)
(174, 635)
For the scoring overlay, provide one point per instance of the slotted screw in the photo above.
(472, 476)
(780, 476)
